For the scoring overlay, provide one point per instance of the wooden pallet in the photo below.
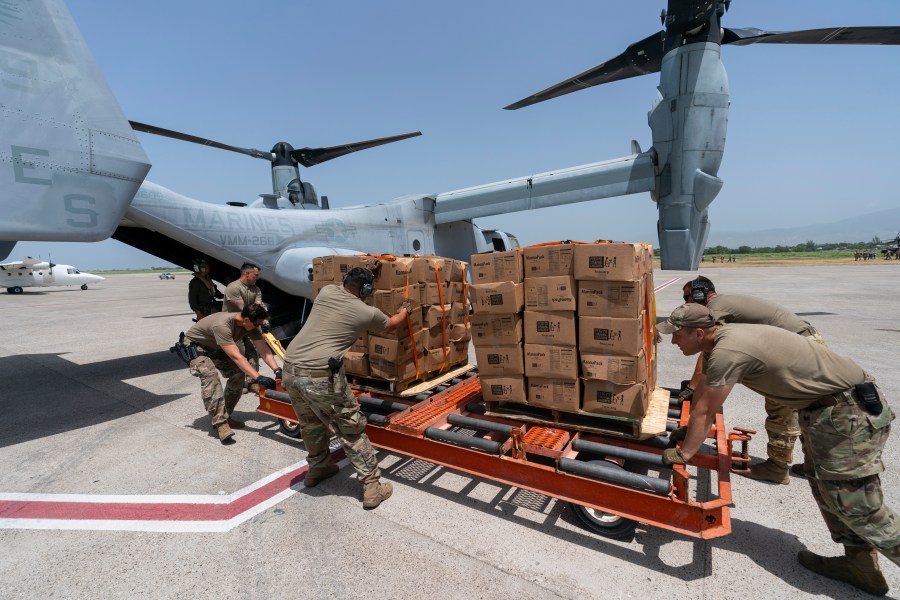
(653, 423)
(410, 388)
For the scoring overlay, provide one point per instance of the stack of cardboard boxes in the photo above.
(434, 338)
(581, 342)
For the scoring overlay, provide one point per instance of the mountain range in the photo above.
(883, 224)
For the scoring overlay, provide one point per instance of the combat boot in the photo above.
(859, 568)
(375, 493)
(316, 476)
(768, 471)
(799, 471)
(236, 424)
(225, 432)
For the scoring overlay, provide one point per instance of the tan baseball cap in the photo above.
(688, 315)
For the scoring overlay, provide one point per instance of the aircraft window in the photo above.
(417, 245)
(498, 245)
(514, 242)
(72, 271)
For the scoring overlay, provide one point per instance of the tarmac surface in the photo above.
(99, 414)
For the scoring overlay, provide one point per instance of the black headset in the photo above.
(366, 288)
(699, 291)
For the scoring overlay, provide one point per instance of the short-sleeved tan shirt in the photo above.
(337, 319)
(747, 309)
(780, 365)
(219, 329)
(240, 291)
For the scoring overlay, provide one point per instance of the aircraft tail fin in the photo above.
(76, 164)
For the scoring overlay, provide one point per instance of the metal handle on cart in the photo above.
(740, 462)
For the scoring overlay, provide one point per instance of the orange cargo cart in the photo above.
(612, 482)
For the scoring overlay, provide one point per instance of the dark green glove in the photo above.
(278, 373)
(677, 435)
(687, 393)
(265, 382)
(671, 456)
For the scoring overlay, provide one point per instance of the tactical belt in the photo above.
(864, 395)
(301, 372)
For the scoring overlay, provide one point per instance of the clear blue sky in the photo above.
(812, 133)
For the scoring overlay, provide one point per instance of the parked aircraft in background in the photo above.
(36, 273)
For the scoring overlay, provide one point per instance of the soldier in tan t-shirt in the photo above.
(321, 396)
(782, 427)
(844, 423)
(218, 335)
(238, 294)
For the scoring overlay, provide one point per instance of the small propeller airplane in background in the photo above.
(75, 170)
(37, 273)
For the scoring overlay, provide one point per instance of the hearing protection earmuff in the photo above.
(699, 291)
(366, 288)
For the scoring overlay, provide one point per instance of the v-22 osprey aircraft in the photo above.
(75, 170)
(37, 273)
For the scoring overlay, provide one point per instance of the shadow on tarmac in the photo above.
(45, 394)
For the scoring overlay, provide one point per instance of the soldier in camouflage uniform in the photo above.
(782, 427)
(320, 394)
(217, 336)
(238, 294)
(844, 424)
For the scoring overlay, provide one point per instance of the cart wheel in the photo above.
(84, 286)
(289, 428)
(604, 523)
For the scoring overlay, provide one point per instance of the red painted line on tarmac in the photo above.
(123, 511)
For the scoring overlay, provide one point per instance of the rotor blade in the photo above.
(313, 156)
(832, 35)
(640, 58)
(197, 140)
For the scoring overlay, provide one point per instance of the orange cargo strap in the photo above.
(556, 243)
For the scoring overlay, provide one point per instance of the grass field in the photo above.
(790, 259)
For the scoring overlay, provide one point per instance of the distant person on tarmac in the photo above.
(218, 336)
(202, 292)
(238, 294)
(782, 427)
(314, 377)
(844, 420)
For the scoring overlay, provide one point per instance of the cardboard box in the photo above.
(551, 362)
(396, 349)
(398, 273)
(435, 315)
(361, 344)
(550, 293)
(357, 363)
(497, 330)
(615, 369)
(555, 394)
(498, 298)
(459, 312)
(613, 261)
(435, 359)
(504, 389)
(323, 268)
(494, 267)
(611, 298)
(393, 371)
(552, 328)
(455, 292)
(433, 293)
(435, 337)
(343, 264)
(459, 333)
(458, 353)
(403, 330)
(500, 361)
(606, 335)
(605, 398)
(389, 301)
(548, 261)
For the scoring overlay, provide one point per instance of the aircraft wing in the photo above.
(75, 162)
(629, 175)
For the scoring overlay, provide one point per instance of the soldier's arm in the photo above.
(234, 298)
(238, 359)
(395, 321)
(265, 353)
(707, 402)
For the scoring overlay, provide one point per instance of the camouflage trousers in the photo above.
(249, 351)
(782, 426)
(322, 405)
(218, 403)
(842, 445)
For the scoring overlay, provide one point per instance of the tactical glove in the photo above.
(671, 456)
(406, 305)
(278, 373)
(677, 435)
(266, 382)
(686, 394)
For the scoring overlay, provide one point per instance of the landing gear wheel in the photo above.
(14, 290)
(84, 286)
(604, 523)
(289, 428)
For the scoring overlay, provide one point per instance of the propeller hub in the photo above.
(282, 152)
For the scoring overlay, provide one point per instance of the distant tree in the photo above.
(876, 240)
(744, 250)
(809, 246)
